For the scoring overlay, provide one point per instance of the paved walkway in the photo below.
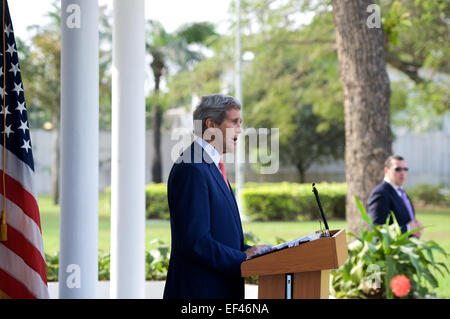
(153, 290)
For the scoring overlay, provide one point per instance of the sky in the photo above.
(171, 13)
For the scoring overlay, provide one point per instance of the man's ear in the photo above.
(386, 170)
(209, 123)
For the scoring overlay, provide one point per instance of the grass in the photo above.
(155, 229)
(437, 221)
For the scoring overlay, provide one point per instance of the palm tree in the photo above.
(174, 50)
(41, 74)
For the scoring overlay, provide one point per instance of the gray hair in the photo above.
(214, 107)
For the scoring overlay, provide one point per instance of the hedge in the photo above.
(292, 201)
(424, 194)
(269, 201)
(156, 205)
(156, 194)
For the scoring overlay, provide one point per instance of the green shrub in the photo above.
(291, 201)
(156, 263)
(380, 254)
(104, 262)
(156, 204)
(425, 194)
(267, 201)
(52, 263)
(250, 238)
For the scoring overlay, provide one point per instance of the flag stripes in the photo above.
(22, 258)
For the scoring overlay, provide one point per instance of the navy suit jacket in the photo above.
(382, 201)
(207, 238)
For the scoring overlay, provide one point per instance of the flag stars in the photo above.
(20, 107)
(8, 30)
(3, 110)
(11, 50)
(14, 68)
(18, 88)
(23, 126)
(26, 145)
(2, 93)
(8, 131)
(13, 110)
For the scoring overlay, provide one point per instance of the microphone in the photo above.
(316, 193)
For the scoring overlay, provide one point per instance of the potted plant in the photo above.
(384, 263)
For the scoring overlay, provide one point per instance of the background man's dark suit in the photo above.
(384, 199)
(207, 238)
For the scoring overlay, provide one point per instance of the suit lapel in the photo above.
(235, 205)
(237, 215)
(227, 192)
(397, 199)
(199, 152)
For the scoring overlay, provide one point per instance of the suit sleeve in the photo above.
(190, 213)
(378, 207)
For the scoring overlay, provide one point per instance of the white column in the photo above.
(240, 150)
(78, 263)
(128, 151)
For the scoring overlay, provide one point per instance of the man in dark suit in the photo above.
(390, 196)
(207, 238)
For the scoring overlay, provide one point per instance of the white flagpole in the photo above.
(240, 149)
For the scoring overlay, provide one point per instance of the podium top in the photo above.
(320, 254)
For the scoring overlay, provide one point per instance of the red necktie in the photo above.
(224, 174)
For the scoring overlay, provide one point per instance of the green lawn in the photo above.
(437, 221)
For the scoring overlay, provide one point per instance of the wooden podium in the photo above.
(300, 272)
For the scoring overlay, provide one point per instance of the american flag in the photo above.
(22, 259)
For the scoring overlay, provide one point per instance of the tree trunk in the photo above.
(156, 125)
(368, 138)
(55, 172)
(301, 172)
(157, 163)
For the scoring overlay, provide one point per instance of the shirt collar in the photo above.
(396, 187)
(210, 150)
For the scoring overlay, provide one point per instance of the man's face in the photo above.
(396, 173)
(225, 140)
(231, 128)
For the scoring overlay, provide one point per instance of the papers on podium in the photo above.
(288, 244)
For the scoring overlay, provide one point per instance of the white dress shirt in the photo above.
(396, 187)
(210, 150)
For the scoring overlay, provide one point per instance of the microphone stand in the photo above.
(316, 193)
